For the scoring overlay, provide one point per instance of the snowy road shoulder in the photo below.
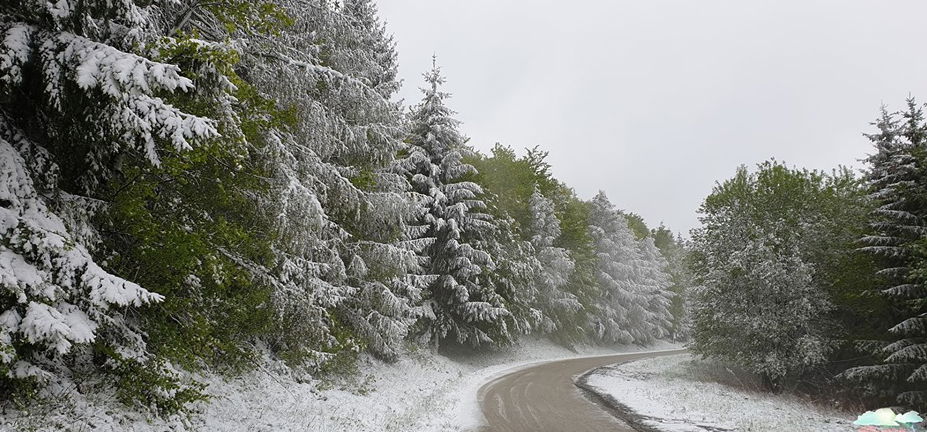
(421, 392)
(665, 394)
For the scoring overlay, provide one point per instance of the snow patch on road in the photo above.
(663, 392)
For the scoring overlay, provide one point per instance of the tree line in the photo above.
(189, 185)
(815, 280)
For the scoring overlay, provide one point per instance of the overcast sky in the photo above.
(653, 101)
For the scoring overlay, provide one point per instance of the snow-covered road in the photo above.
(545, 398)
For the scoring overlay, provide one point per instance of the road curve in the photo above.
(543, 398)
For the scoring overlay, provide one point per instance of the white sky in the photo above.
(653, 101)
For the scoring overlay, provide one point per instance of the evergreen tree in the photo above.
(898, 182)
(556, 266)
(675, 252)
(655, 286)
(461, 304)
(515, 274)
(100, 119)
(624, 312)
(343, 258)
(371, 50)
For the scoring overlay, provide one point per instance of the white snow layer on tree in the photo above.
(62, 295)
(671, 395)
(555, 265)
(635, 306)
(126, 79)
(463, 302)
(340, 211)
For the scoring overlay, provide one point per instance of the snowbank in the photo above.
(667, 396)
(422, 392)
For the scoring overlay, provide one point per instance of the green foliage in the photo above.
(340, 356)
(364, 180)
(813, 217)
(190, 228)
(249, 17)
(18, 392)
(828, 210)
(637, 225)
(184, 229)
(509, 181)
(663, 239)
(154, 387)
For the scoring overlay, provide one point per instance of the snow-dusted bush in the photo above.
(759, 307)
(776, 272)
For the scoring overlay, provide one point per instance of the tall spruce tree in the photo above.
(461, 304)
(556, 267)
(898, 182)
(624, 313)
(341, 278)
(676, 253)
(107, 139)
(655, 286)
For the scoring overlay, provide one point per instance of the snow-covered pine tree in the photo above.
(461, 304)
(515, 273)
(556, 266)
(382, 311)
(343, 262)
(898, 180)
(655, 285)
(675, 251)
(370, 50)
(80, 89)
(623, 313)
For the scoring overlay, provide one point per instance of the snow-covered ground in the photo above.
(422, 392)
(675, 394)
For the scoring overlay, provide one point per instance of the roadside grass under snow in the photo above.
(678, 393)
(422, 392)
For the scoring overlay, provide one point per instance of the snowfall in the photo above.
(675, 394)
(429, 392)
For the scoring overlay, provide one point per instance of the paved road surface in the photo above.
(543, 398)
